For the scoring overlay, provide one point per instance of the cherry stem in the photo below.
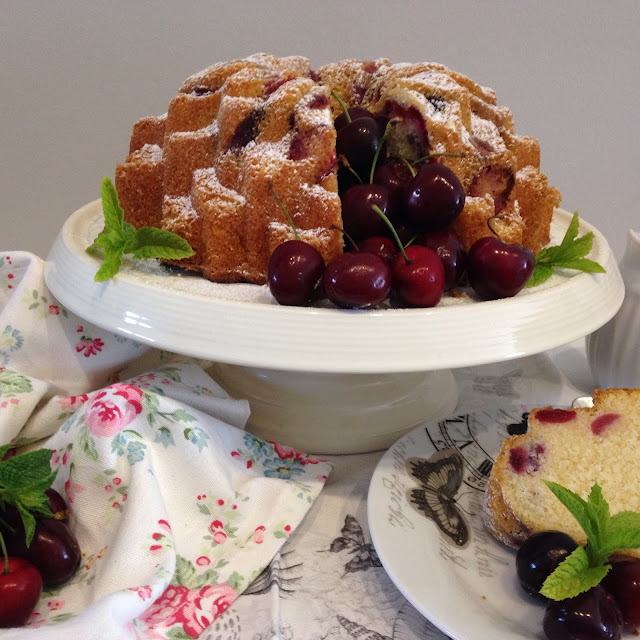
(410, 167)
(442, 154)
(343, 106)
(391, 123)
(379, 211)
(284, 210)
(495, 233)
(5, 554)
(347, 236)
(347, 165)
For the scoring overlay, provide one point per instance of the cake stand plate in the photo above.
(313, 374)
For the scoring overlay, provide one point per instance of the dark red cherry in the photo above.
(434, 198)
(419, 282)
(359, 218)
(538, 557)
(592, 615)
(20, 590)
(381, 246)
(498, 270)
(357, 280)
(54, 550)
(452, 253)
(354, 113)
(393, 174)
(295, 273)
(623, 583)
(358, 143)
(58, 506)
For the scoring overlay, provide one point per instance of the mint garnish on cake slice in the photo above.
(119, 237)
(586, 566)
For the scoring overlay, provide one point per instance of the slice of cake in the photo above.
(240, 130)
(575, 448)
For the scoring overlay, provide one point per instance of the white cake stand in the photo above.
(322, 379)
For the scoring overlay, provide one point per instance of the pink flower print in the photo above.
(108, 488)
(194, 609)
(283, 452)
(116, 481)
(155, 548)
(164, 525)
(166, 610)
(90, 346)
(72, 402)
(55, 457)
(144, 593)
(217, 529)
(71, 488)
(287, 529)
(112, 409)
(203, 561)
(54, 605)
(258, 535)
(54, 310)
(65, 457)
(36, 620)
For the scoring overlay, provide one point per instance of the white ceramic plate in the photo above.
(463, 581)
(241, 324)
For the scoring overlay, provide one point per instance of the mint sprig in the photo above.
(586, 566)
(23, 481)
(119, 237)
(569, 254)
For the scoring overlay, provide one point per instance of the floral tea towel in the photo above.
(176, 508)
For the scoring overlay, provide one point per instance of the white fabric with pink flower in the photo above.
(177, 509)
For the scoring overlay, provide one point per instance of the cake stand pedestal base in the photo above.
(329, 413)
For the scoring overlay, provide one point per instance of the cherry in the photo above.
(54, 549)
(434, 198)
(357, 280)
(592, 615)
(358, 143)
(623, 583)
(57, 505)
(358, 216)
(295, 273)
(393, 174)
(380, 245)
(538, 557)
(452, 253)
(420, 281)
(20, 591)
(498, 270)
(353, 114)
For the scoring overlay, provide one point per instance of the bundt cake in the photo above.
(575, 448)
(240, 131)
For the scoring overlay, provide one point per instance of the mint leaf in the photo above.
(578, 507)
(119, 237)
(23, 482)
(573, 576)
(569, 254)
(149, 242)
(113, 212)
(606, 534)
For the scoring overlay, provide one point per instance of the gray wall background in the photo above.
(76, 74)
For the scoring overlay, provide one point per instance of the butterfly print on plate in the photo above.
(440, 477)
(352, 540)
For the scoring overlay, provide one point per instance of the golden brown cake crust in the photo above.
(238, 129)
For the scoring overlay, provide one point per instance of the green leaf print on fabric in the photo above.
(186, 575)
(12, 383)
